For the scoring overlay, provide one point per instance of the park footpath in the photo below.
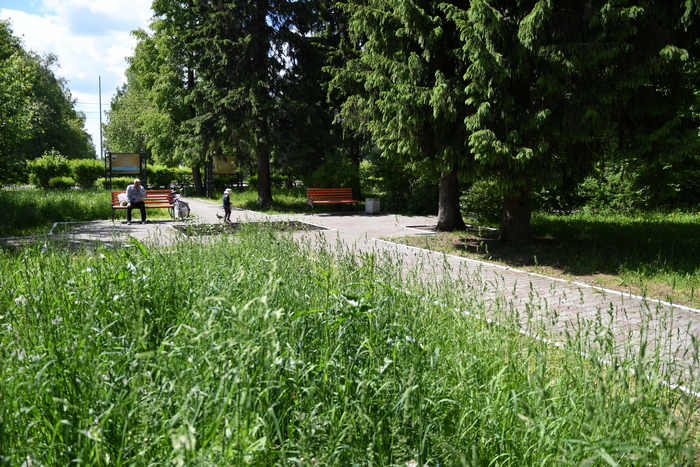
(545, 307)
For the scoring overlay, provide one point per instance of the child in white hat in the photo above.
(227, 205)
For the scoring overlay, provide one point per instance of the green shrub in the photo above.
(61, 183)
(183, 176)
(86, 171)
(221, 182)
(425, 197)
(483, 201)
(160, 176)
(275, 179)
(118, 183)
(613, 188)
(337, 172)
(393, 182)
(46, 167)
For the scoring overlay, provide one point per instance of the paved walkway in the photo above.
(546, 307)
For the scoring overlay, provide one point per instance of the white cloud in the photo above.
(91, 38)
(121, 10)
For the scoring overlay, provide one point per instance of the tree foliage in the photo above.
(37, 111)
(405, 88)
(221, 78)
(557, 85)
(531, 95)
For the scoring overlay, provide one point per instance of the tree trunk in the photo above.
(356, 158)
(515, 218)
(264, 179)
(197, 178)
(449, 214)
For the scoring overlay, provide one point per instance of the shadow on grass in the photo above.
(585, 246)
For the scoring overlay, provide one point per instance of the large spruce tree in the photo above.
(406, 90)
(555, 82)
(244, 54)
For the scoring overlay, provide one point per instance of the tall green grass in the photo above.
(33, 211)
(261, 351)
(286, 201)
(653, 254)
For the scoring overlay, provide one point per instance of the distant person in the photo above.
(227, 205)
(135, 194)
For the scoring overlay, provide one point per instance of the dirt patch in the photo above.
(198, 230)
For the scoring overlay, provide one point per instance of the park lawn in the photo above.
(256, 349)
(32, 211)
(655, 255)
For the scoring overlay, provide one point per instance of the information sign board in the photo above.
(224, 165)
(125, 163)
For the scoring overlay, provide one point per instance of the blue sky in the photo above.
(91, 38)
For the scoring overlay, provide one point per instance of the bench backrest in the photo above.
(313, 194)
(152, 197)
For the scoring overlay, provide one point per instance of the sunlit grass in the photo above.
(655, 254)
(285, 201)
(256, 350)
(31, 211)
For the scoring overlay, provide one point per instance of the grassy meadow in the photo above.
(258, 350)
(31, 211)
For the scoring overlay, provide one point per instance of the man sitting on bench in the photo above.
(135, 194)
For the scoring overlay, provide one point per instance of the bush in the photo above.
(221, 182)
(613, 188)
(86, 171)
(425, 197)
(337, 172)
(393, 182)
(183, 177)
(46, 167)
(118, 183)
(276, 180)
(61, 183)
(483, 201)
(160, 176)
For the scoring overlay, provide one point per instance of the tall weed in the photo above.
(33, 211)
(263, 351)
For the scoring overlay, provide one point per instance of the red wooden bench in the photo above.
(155, 199)
(329, 196)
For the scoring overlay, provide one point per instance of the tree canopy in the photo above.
(558, 84)
(37, 111)
(405, 88)
(228, 78)
(531, 94)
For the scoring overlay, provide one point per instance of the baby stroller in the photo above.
(180, 209)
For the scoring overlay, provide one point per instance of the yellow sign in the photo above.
(125, 163)
(224, 165)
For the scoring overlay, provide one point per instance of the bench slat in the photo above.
(329, 196)
(155, 199)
